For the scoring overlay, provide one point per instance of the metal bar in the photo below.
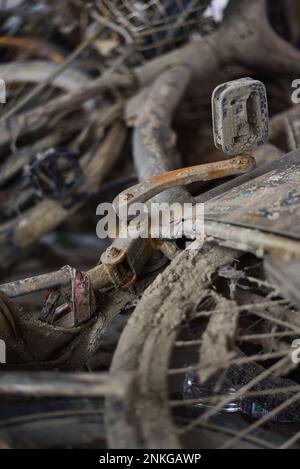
(52, 384)
(181, 177)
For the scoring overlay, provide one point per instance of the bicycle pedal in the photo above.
(240, 116)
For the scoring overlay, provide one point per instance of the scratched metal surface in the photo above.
(267, 199)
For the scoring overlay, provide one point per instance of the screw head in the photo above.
(113, 252)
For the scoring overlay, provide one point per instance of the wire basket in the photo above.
(156, 26)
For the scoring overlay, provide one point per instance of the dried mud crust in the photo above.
(144, 419)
